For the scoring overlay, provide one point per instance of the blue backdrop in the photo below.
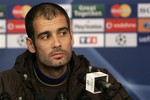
(130, 65)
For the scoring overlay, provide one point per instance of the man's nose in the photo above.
(56, 42)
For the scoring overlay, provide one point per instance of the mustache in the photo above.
(58, 50)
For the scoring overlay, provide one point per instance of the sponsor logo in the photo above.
(2, 41)
(21, 40)
(88, 25)
(147, 25)
(89, 40)
(144, 39)
(16, 26)
(16, 40)
(121, 25)
(2, 11)
(144, 25)
(88, 10)
(123, 10)
(68, 9)
(121, 40)
(144, 10)
(2, 26)
(19, 11)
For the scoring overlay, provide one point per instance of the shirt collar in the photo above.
(50, 81)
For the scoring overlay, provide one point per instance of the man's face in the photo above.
(53, 42)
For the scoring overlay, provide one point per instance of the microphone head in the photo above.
(101, 84)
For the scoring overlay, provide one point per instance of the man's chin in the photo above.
(58, 67)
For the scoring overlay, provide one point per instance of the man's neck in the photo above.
(54, 72)
(52, 77)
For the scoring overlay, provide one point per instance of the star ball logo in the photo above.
(121, 39)
(21, 40)
(20, 11)
(121, 10)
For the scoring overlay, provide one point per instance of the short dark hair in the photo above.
(48, 11)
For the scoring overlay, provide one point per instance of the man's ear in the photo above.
(30, 45)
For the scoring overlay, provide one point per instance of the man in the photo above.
(49, 69)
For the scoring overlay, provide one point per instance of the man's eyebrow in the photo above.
(63, 28)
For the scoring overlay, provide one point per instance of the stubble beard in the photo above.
(56, 64)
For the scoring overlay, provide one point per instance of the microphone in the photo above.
(101, 84)
(95, 82)
(61, 96)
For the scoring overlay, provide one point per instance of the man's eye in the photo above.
(62, 33)
(44, 36)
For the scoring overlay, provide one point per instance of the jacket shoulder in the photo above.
(8, 80)
(7, 74)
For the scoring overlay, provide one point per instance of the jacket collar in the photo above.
(24, 63)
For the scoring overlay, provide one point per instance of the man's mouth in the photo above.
(57, 55)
